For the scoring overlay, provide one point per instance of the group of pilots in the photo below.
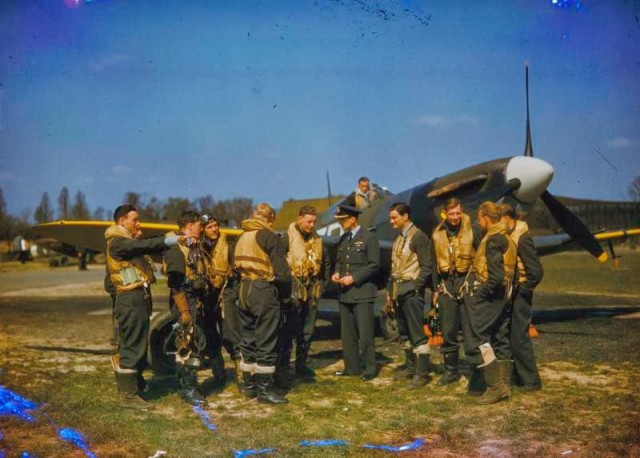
(259, 297)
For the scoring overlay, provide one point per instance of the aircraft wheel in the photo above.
(162, 341)
(64, 261)
(389, 327)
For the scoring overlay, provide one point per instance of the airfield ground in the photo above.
(54, 344)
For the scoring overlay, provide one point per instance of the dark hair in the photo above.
(451, 202)
(307, 210)
(361, 179)
(401, 208)
(508, 211)
(186, 217)
(123, 211)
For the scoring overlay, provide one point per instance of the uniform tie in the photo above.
(349, 236)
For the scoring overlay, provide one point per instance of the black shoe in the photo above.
(193, 396)
(265, 390)
(367, 377)
(448, 378)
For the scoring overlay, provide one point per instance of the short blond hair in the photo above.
(491, 210)
(265, 212)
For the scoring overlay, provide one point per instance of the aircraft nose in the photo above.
(534, 175)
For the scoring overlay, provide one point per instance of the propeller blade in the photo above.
(570, 223)
(528, 147)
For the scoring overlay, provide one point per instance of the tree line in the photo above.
(151, 209)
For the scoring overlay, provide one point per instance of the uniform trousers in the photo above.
(410, 316)
(132, 310)
(521, 346)
(451, 310)
(356, 331)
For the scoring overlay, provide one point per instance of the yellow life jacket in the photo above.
(404, 262)
(304, 256)
(219, 262)
(520, 229)
(191, 260)
(454, 254)
(127, 275)
(509, 256)
(250, 260)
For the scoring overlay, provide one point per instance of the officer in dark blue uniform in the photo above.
(357, 263)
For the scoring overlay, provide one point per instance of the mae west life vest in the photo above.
(250, 260)
(454, 254)
(480, 267)
(127, 275)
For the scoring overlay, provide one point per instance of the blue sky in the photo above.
(260, 99)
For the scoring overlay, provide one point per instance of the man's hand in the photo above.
(347, 280)
(335, 277)
(434, 297)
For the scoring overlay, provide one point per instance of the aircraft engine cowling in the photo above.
(534, 175)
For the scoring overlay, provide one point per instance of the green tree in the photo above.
(80, 210)
(174, 207)
(63, 203)
(43, 213)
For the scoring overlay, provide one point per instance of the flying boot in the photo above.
(188, 377)
(302, 354)
(451, 374)
(408, 369)
(128, 390)
(217, 369)
(281, 377)
(496, 389)
(265, 390)
(421, 378)
(506, 370)
(249, 387)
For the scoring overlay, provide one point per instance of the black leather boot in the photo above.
(249, 387)
(265, 390)
(451, 374)
(422, 373)
(408, 369)
(218, 370)
(189, 385)
(302, 353)
(281, 377)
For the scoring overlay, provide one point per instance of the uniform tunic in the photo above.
(359, 257)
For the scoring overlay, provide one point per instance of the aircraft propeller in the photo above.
(567, 220)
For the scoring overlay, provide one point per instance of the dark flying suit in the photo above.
(487, 309)
(265, 279)
(529, 274)
(130, 273)
(186, 271)
(454, 249)
(411, 270)
(310, 266)
(358, 255)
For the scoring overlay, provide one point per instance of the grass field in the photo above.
(589, 405)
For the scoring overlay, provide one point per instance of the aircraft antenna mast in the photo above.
(528, 147)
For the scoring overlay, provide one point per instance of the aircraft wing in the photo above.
(555, 243)
(90, 234)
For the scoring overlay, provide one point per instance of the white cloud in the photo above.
(111, 60)
(121, 170)
(446, 121)
(620, 142)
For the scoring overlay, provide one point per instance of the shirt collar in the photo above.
(354, 231)
(406, 229)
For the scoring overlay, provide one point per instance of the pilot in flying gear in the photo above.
(186, 270)
(131, 274)
(486, 303)
(265, 279)
(411, 269)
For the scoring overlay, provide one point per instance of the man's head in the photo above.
(347, 216)
(453, 211)
(211, 226)
(306, 219)
(489, 214)
(265, 212)
(509, 216)
(363, 185)
(190, 224)
(127, 216)
(399, 215)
